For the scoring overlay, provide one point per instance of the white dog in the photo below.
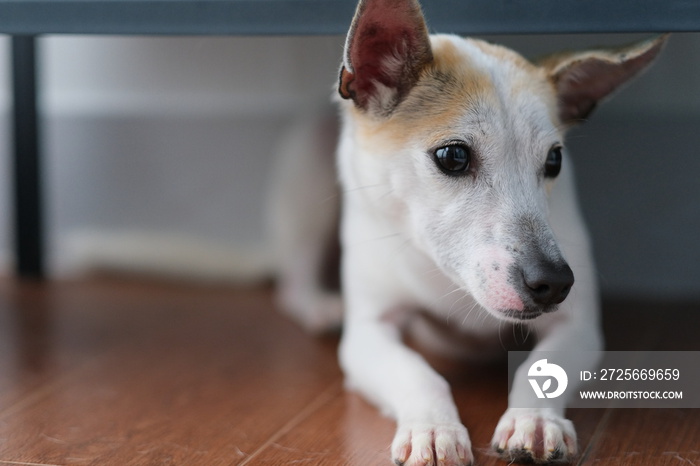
(448, 156)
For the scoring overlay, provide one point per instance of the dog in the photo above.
(457, 201)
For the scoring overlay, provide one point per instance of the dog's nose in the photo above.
(548, 283)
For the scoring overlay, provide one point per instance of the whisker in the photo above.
(456, 306)
(501, 323)
(371, 240)
(527, 333)
(365, 187)
(393, 255)
(469, 312)
(514, 327)
(386, 194)
(335, 197)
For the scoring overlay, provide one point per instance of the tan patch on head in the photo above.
(528, 77)
(447, 88)
(451, 86)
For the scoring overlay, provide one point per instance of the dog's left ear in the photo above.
(385, 50)
(582, 79)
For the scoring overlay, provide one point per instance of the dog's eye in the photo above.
(453, 159)
(552, 166)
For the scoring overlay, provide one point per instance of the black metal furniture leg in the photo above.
(28, 218)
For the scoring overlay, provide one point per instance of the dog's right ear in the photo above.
(385, 50)
(582, 79)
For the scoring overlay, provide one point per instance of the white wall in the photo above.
(174, 137)
(169, 136)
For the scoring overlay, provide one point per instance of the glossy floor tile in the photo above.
(125, 372)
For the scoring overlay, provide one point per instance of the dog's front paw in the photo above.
(533, 435)
(432, 445)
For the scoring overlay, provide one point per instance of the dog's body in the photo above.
(447, 158)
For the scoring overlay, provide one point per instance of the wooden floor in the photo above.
(114, 372)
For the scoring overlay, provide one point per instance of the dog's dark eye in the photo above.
(453, 159)
(552, 166)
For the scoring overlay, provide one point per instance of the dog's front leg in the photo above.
(399, 381)
(544, 435)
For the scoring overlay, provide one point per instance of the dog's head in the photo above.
(468, 138)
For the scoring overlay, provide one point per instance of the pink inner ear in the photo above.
(582, 84)
(388, 44)
(383, 28)
(595, 78)
(378, 45)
